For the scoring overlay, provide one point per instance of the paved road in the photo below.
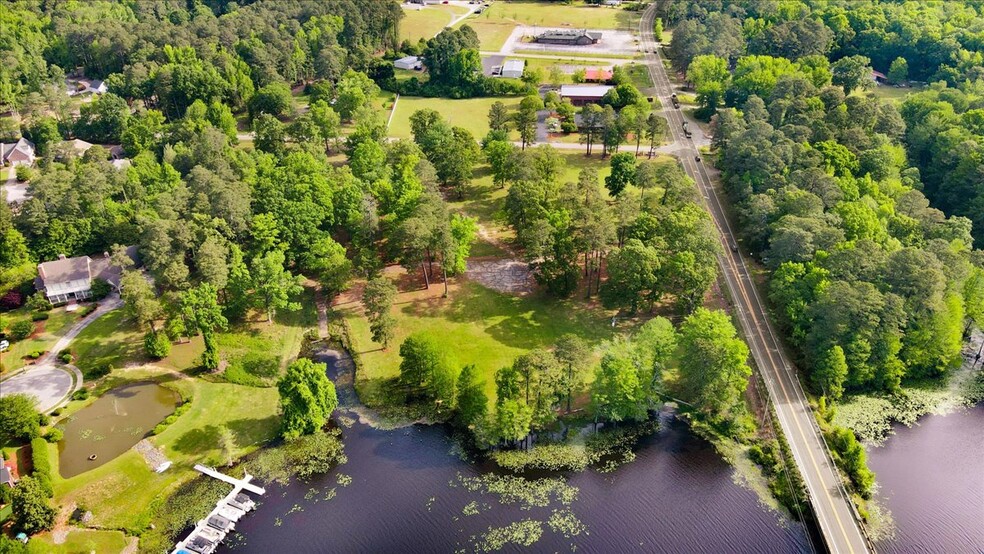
(833, 508)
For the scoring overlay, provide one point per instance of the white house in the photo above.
(584, 94)
(513, 68)
(67, 279)
(17, 153)
(409, 62)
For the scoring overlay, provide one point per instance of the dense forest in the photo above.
(835, 188)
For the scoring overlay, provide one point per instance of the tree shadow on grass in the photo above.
(199, 441)
(248, 432)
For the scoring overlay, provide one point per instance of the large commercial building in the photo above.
(569, 37)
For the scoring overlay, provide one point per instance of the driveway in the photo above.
(49, 384)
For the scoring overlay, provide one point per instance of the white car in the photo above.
(4, 345)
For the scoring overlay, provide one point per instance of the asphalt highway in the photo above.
(833, 507)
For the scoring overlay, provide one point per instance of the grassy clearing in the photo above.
(80, 540)
(112, 340)
(555, 14)
(639, 74)
(492, 35)
(889, 93)
(427, 22)
(546, 65)
(46, 334)
(471, 113)
(480, 326)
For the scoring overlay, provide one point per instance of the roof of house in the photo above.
(514, 65)
(584, 91)
(23, 146)
(79, 145)
(878, 74)
(408, 60)
(64, 270)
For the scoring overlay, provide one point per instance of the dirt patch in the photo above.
(151, 454)
(508, 276)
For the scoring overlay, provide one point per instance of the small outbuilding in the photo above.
(513, 68)
(409, 62)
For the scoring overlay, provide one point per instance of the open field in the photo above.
(492, 35)
(555, 14)
(480, 326)
(427, 21)
(46, 334)
(471, 113)
(80, 540)
(889, 93)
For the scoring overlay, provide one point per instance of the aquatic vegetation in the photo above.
(343, 479)
(471, 509)
(566, 523)
(611, 448)
(522, 533)
(527, 493)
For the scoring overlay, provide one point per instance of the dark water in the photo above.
(112, 425)
(677, 496)
(932, 480)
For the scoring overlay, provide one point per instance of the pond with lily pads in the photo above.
(112, 425)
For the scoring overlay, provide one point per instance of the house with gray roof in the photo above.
(67, 279)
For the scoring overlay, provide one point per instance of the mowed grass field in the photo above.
(480, 326)
(496, 23)
(427, 21)
(470, 113)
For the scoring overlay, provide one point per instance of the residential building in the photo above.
(569, 37)
(67, 279)
(8, 474)
(580, 95)
(513, 68)
(409, 62)
(17, 153)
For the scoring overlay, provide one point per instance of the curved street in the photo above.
(832, 505)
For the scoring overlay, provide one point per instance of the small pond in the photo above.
(112, 425)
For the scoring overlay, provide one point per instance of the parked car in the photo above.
(4, 345)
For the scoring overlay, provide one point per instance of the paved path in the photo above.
(106, 305)
(834, 509)
(16, 192)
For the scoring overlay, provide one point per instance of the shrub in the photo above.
(54, 435)
(39, 302)
(41, 464)
(40, 316)
(159, 428)
(80, 394)
(65, 356)
(100, 370)
(32, 510)
(56, 412)
(43, 419)
(100, 289)
(21, 330)
(35, 354)
(157, 345)
(23, 173)
(86, 310)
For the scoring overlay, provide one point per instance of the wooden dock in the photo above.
(238, 485)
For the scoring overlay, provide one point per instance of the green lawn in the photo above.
(561, 53)
(639, 74)
(46, 334)
(889, 93)
(545, 65)
(471, 113)
(492, 34)
(427, 22)
(555, 14)
(112, 340)
(79, 541)
(478, 325)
